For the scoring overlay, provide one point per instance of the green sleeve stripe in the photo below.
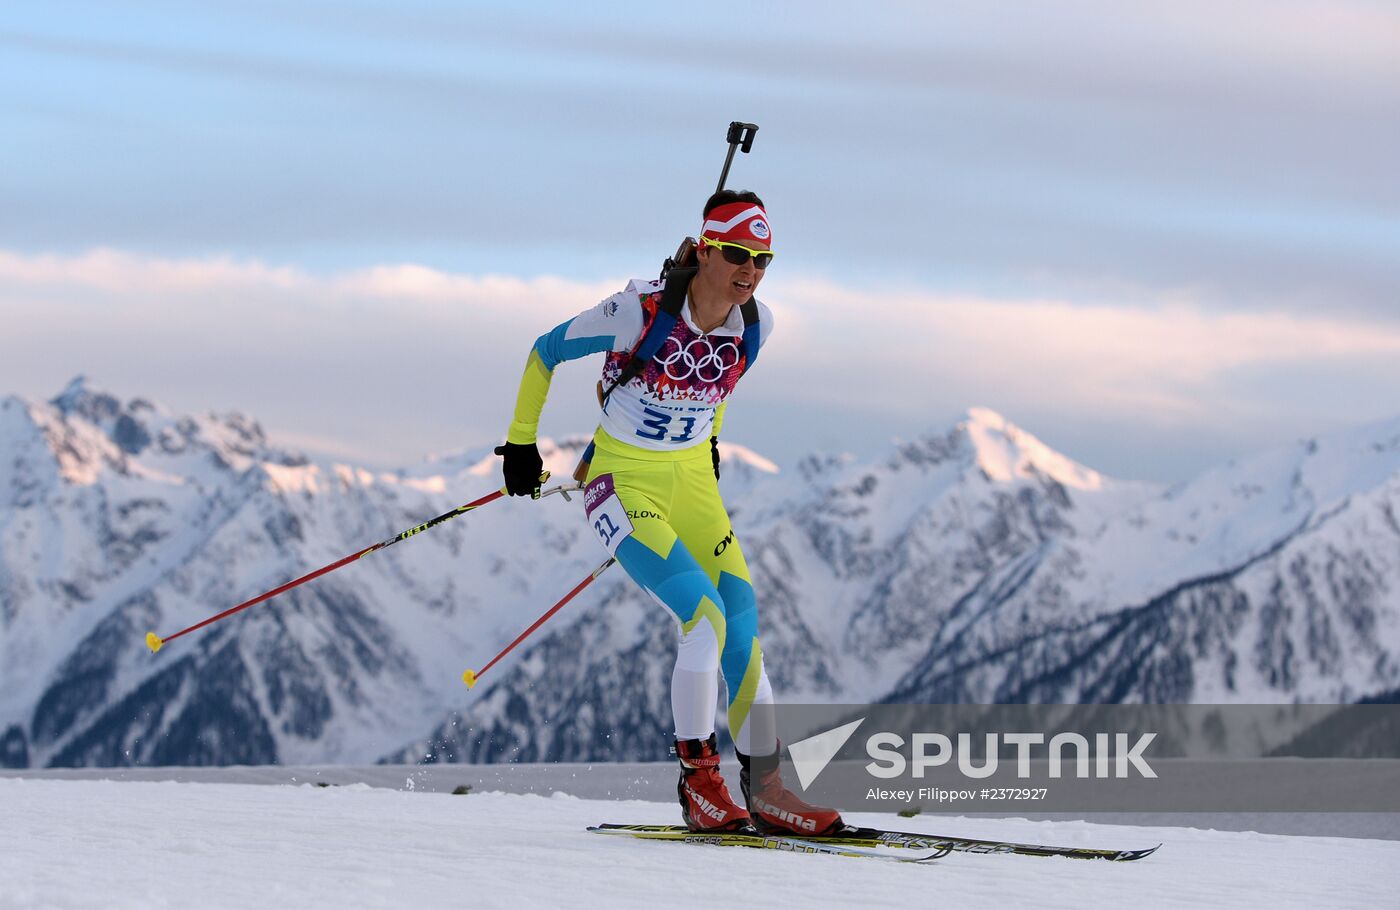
(529, 401)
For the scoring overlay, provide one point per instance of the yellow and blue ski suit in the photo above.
(652, 497)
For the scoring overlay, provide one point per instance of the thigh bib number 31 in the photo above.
(606, 514)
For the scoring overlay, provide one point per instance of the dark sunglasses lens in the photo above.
(737, 256)
(733, 255)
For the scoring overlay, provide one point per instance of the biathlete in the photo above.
(652, 496)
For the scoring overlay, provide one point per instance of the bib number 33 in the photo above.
(606, 514)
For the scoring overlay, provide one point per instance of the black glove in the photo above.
(522, 468)
(714, 454)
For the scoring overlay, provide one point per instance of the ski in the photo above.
(870, 838)
(677, 834)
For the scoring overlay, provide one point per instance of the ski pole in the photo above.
(470, 677)
(154, 641)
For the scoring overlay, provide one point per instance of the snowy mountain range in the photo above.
(970, 565)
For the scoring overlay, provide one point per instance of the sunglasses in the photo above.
(738, 254)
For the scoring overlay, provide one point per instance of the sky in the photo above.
(1154, 235)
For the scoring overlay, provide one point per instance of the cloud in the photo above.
(119, 274)
(1247, 147)
(400, 360)
(1171, 358)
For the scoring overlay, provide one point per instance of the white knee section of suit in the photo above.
(695, 681)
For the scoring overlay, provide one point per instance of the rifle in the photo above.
(740, 138)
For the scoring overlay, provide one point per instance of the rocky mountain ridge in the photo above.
(975, 564)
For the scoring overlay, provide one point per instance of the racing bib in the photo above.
(606, 514)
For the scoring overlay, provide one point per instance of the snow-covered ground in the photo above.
(134, 844)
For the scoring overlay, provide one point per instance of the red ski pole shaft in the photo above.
(154, 642)
(471, 676)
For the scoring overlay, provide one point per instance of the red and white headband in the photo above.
(737, 222)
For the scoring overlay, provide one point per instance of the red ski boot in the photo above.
(705, 800)
(774, 808)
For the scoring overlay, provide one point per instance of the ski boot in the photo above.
(774, 808)
(705, 801)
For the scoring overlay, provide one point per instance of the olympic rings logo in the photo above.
(700, 359)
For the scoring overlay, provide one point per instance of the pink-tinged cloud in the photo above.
(404, 359)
